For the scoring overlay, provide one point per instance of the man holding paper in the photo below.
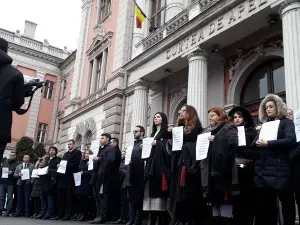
(66, 184)
(106, 180)
(273, 146)
(23, 174)
(7, 183)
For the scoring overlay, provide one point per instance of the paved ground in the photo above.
(26, 221)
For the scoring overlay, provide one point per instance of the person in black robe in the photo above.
(157, 172)
(106, 180)
(186, 201)
(135, 175)
(243, 208)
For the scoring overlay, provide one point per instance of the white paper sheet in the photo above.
(177, 138)
(147, 145)
(42, 171)
(101, 189)
(77, 178)
(297, 124)
(35, 173)
(202, 146)
(62, 166)
(26, 175)
(128, 153)
(91, 163)
(242, 136)
(5, 172)
(269, 131)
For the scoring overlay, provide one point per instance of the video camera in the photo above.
(30, 87)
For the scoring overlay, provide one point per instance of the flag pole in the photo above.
(152, 28)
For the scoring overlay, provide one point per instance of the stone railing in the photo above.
(44, 47)
(92, 97)
(178, 21)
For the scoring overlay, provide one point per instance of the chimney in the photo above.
(29, 30)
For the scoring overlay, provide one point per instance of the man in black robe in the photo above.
(136, 178)
(106, 180)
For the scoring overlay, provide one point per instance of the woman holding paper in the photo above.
(85, 190)
(272, 170)
(185, 192)
(218, 169)
(243, 208)
(157, 172)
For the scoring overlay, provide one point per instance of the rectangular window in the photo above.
(105, 8)
(41, 133)
(63, 88)
(158, 13)
(48, 89)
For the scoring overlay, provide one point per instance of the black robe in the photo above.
(136, 175)
(189, 189)
(158, 166)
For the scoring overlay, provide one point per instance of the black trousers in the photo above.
(2, 149)
(124, 204)
(83, 205)
(267, 208)
(244, 205)
(65, 201)
(97, 200)
(36, 205)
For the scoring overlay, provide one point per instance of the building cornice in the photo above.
(117, 92)
(71, 59)
(193, 25)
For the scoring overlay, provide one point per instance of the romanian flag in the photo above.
(140, 17)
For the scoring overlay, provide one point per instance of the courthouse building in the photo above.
(207, 53)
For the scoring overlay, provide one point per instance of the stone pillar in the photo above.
(140, 105)
(94, 76)
(174, 7)
(197, 84)
(103, 69)
(290, 13)
(80, 54)
(34, 109)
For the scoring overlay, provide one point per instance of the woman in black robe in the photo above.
(243, 208)
(186, 202)
(157, 172)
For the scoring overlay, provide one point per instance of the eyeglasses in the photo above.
(290, 114)
(136, 131)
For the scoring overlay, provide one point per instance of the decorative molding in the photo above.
(178, 95)
(99, 44)
(286, 4)
(70, 60)
(117, 73)
(85, 4)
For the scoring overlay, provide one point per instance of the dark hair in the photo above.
(192, 119)
(72, 140)
(107, 135)
(220, 112)
(3, 45)
(164, 123)
(142, 129)
(116, 140)
(54, 148)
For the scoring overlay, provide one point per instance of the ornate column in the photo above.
(290, 13)
(174, 7)
(103, 69)
(140, 105)
(197, 84)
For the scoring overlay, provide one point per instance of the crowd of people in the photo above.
(233, 184)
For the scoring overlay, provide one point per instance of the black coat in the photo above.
(106, 169)
(11, 165)
(159, 163)
(184, 166)
(136, 174)
(219, 170)
(295, 167)
(11, 94)
(67, 180)
(85, 188)
(52, 174)
(272, 169)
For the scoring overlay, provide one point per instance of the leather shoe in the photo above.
(98, 220)
(119, 221)
(46, 218)
(56, 218)
(66, 218)
(40, 216)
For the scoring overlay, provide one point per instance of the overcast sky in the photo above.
(58, 20)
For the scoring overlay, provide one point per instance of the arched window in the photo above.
(265, 79)
(78, 141)
(177, 110)
(88, 140)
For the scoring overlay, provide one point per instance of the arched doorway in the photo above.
(78, 141)
(88, 140)
(265, 79)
